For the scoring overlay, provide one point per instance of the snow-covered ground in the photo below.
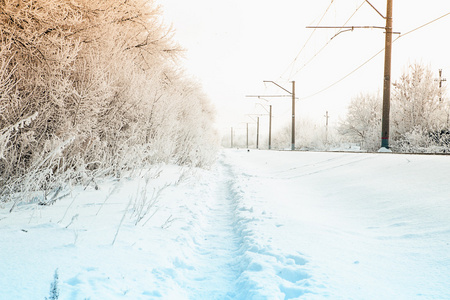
(258, 225)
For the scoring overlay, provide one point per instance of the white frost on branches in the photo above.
(102, 74)
(419, 118)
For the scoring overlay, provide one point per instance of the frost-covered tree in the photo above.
(95, 88)
(415, 101)
(363, 121)
(418, 120)
(419, 109)
(309, 134)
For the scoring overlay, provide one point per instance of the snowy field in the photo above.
(258, 225)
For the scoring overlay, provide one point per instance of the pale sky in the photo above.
(233, 45)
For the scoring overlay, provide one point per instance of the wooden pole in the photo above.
(387, 78)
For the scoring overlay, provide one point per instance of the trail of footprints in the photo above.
(288, 270)
(232, 256)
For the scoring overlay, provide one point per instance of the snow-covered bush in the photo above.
(420, 141)
(102, 81)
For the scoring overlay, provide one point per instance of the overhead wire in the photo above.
(376, 54)
(371, 58)
(421, 26)
(317, 53)
(321, 49)
(338, 81)
(307, 41)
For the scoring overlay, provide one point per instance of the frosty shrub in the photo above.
(420, 141)
(101, 79)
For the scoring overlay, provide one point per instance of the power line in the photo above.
(318, 52)
(426, 24)
(367, 61)
(376, 54)
(309, 38)
(333, 84)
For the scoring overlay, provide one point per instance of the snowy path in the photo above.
(216, 244)
(226, 256)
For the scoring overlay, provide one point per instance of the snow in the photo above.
(257, 225)
(384, 150)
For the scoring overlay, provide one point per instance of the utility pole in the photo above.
(387, 66)
(440, 80)
(270, 127)
(231, 137)
(326, 127)
(270, 122)
(293, 117)
(387, 78)
(292, 95)
(257, 134)
(247, 135)
(293, 109)
(257, 126)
